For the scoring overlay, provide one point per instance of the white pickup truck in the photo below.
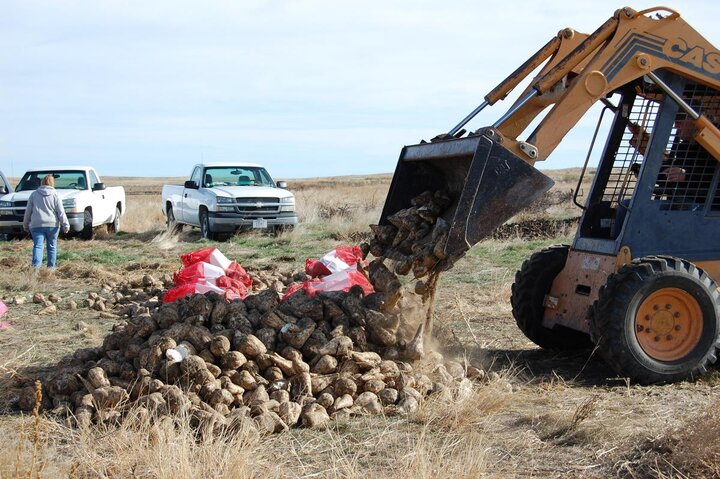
(87, 201)
(222, 198)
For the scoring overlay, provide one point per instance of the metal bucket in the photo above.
(488, 185)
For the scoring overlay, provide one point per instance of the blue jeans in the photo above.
(39, 236)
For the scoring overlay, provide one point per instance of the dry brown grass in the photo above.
(144, 213)
(465, 408)
(344, 206)
(691, 450)
(143, 446)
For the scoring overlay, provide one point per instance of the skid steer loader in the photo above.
(640, 279)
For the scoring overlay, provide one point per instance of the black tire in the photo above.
(87, 232)
(114, 227)
(172, 225)
(532, 283)
(657, 320)
(205, 231)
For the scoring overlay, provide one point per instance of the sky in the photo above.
(308, 88)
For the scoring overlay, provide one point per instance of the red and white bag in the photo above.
(208, 270)
(340, 281)
(206, 255)
(197, 272)
(339, 259)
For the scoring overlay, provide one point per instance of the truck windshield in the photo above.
(64, 180)
(236, 176)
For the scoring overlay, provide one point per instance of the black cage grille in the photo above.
(688, 170)
(630, 153)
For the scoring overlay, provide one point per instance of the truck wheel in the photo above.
(205, 231)
(532, 283)
(87, 232)
(657, 320)
(172, 225)
(114, 227)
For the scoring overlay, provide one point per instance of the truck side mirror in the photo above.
(191, 185)
(98, 187)
(282, 184)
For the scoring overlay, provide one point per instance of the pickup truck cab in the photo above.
(87, 201)
(226, 197)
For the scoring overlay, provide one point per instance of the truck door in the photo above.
(100, 204)
(191, 199)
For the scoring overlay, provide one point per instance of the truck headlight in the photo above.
(226, 208)
(69, 204)
(5, 204)
(224, 199)
(287, 204)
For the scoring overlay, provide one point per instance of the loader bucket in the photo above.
(488, 185)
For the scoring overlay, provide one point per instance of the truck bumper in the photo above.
(9, 227)
(76, 221)
(15, 227)
(230, 222)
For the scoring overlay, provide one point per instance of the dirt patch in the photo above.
(84, 271)
(12, 262)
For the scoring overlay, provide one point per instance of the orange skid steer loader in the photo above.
(640, 279)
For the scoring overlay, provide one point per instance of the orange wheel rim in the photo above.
(669, 324)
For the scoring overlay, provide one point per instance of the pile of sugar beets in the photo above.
(266, 363)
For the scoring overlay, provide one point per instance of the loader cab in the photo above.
(640, 279)
(655, 191)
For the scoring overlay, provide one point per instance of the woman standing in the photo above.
(44, 216)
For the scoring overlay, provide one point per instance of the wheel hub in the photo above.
(662, 322)
(669, 324)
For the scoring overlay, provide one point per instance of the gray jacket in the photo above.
(44, 209)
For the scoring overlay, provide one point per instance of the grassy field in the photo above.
(543, 414)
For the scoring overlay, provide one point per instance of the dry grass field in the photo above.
(540, 414)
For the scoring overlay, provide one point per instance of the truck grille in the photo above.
(272, 201)
(18, 211)
(257, 207)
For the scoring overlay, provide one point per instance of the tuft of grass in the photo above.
(691, 450)
(27, 457)
(566, 429)
(463, 408)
